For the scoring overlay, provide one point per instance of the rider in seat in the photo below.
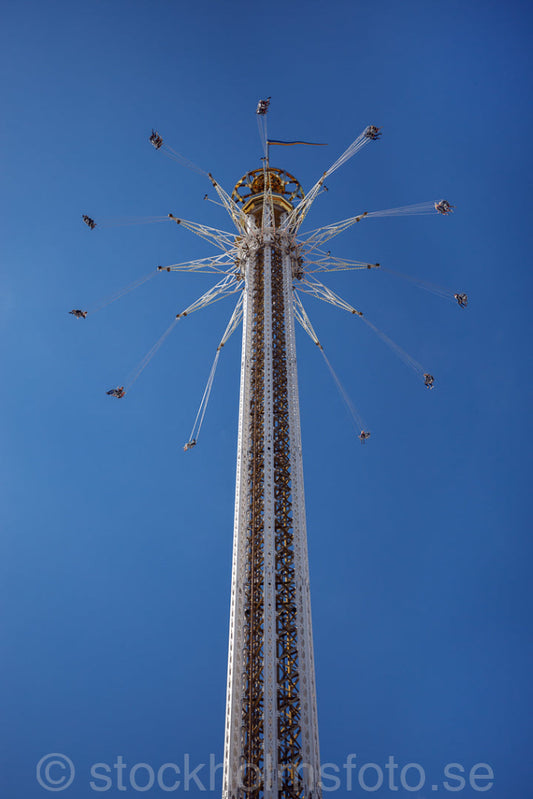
(116, 392)
(262, 106)
(444, 207)
(89, 222)
(156, 139)
(372, 132)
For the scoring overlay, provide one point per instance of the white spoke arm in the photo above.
(325, 262)
(298, 214)
(228, 285)
(317, 289)
(319, 236)
(232, 325)
(303, 319)
(221, 238)
(233, 322)
(221, 264)
(301, 315)
(323, 293)
(230, 205)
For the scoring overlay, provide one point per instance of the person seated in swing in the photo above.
(116, 392)
(79, 314)
(462, 300)
(372, 132)
(363, 435)
(189, 445)
(156, 139)
(262, 106)
(89, 222)
(444, 207)
(429, 380)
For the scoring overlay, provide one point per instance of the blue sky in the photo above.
(116, 546)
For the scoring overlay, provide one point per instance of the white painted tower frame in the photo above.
(268, 258)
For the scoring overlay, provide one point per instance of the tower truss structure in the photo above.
(271, 733)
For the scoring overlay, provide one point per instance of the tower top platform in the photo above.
(251, 188)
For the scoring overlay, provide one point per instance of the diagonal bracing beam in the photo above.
(220, 238)
(317, 289)
(229, 284)
(230, 205)
(321, 261)
(221, 264)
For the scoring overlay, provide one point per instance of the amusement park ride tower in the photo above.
(271, 734)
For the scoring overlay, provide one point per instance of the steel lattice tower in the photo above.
(271, 734)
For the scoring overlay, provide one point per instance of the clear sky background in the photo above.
(116, 546)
